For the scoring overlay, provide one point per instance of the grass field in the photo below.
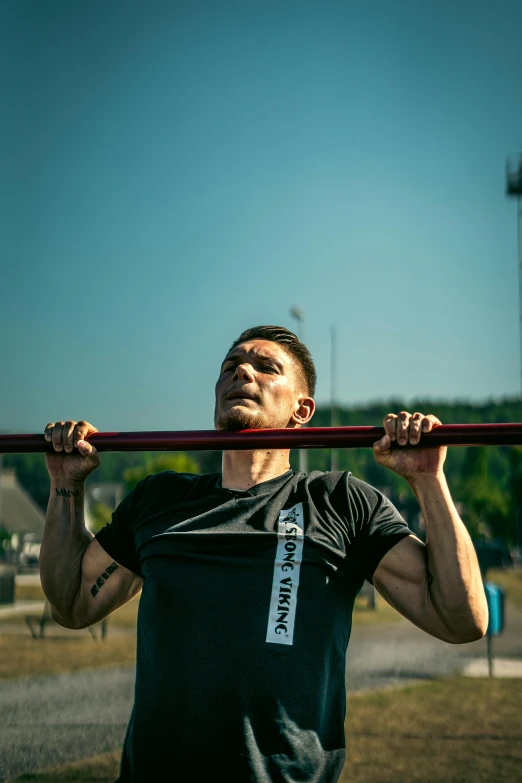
(124, 616)
(23, 656)
(456, 730)
(383, 613)
(29, 593)
(449, 731)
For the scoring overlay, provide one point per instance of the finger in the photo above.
(83, 429)
(48, 431)
(415, 428)
(429, 422)
(390, 425)
(403, 425)
(67, 435)
(57, 436)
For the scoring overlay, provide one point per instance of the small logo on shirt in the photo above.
(283, 602)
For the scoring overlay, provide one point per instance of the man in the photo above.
(249, 579)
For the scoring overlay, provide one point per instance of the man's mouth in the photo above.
(240, 396)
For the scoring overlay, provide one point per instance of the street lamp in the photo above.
(298, 314)
(333, 390)
(514, 189)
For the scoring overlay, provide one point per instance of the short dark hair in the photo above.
(291, 344)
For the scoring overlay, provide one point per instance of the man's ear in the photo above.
(304, 411)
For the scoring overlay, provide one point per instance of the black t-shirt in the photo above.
(244, 622)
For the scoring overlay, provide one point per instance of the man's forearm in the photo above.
(454, 581)
(64, 541)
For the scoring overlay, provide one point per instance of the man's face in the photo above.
(259, 386)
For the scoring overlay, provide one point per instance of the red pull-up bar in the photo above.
(306, 438)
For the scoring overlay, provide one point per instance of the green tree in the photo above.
(179, 462)
(100, 515)
(486, 504)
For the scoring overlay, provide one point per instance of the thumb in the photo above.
(86, 449)
(383, 445)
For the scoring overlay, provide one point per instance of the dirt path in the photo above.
(391, 654)
(58, 718)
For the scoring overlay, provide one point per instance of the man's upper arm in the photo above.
(105, 585)
(402, 578)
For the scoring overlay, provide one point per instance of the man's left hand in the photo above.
(406, 429)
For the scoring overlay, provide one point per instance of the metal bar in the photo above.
(305, 438)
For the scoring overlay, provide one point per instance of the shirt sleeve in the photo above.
(117, 538)
(377, 524)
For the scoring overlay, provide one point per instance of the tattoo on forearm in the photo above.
(95, 589)
(68, 493)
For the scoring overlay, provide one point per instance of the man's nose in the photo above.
(244, 371)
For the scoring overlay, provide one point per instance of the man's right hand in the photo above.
(73, 457)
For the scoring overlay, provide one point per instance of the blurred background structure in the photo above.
(21, 522)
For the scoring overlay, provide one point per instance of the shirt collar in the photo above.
(265, 487)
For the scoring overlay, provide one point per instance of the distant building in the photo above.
(110, 493)
(21, 521)
(18, 512)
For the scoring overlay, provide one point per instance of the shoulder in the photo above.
(336, 481)
(325, 480)
(344, 491)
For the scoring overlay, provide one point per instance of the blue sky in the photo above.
(175, 172)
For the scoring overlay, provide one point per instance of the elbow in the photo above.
(471, 632)
(66, 620)
(469, 623)
(470, 635)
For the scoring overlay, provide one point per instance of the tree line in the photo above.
(486, 482)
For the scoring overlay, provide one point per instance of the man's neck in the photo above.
(245, 469)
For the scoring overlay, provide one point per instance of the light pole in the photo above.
(333, 389)
(514, 189)
(298, 315)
